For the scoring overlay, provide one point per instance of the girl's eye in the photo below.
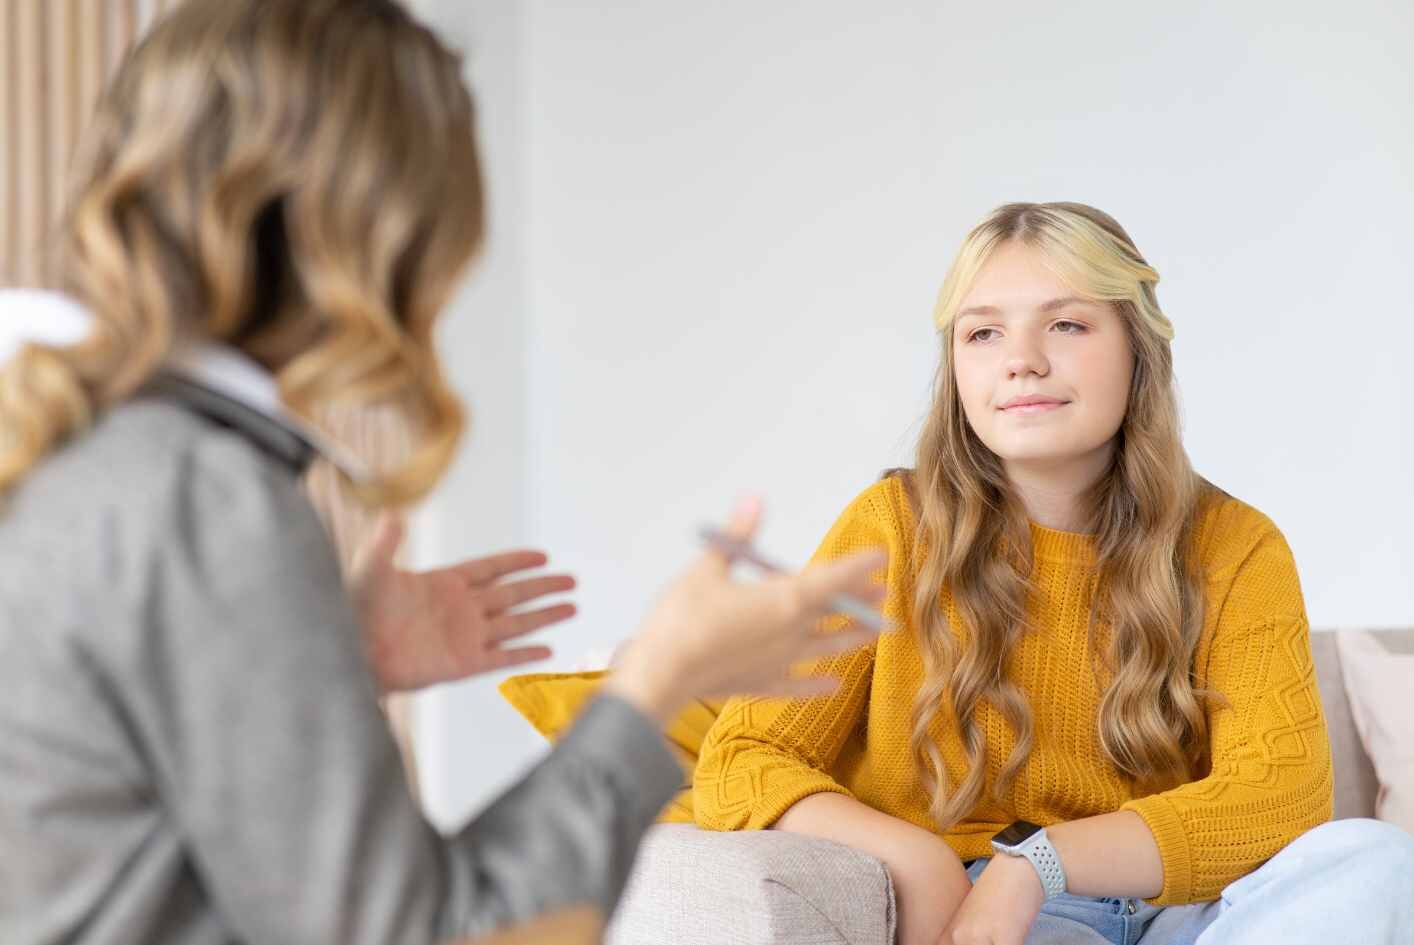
(1070, 328)
(977, 335)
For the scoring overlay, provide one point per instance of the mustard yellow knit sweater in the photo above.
(1270, 772)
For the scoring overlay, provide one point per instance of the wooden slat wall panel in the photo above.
(9, 143)
(91, 46)
(55, 56)
(30, 183)
(63, 102)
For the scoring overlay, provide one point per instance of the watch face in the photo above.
(1016, 834)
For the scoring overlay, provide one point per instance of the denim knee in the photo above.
(1381, 853)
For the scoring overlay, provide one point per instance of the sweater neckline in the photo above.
(1052, 544)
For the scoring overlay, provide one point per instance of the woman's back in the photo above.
(191, 748)
(160, 580)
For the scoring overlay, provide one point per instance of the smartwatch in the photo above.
(1026, 839)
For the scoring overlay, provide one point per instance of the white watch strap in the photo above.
(1042, 855)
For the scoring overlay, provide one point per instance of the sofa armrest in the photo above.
(698, 887)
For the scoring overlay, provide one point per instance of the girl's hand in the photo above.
(438, 626)
(1001, 907)
(709, 635)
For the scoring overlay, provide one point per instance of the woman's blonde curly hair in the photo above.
(296, 178)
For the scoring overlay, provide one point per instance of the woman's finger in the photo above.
(873, 591)
(510, 626)
(478, 571)
(810, 687)
(504, 659)
(382, 545)
(741, 528)
(850, 575)
(839, 641)
(505, 596)
(745, 518)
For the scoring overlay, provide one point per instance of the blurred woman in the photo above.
(274, 202)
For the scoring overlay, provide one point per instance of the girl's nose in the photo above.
(1026, 357)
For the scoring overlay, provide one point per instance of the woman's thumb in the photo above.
(382, 544)
(746, 518)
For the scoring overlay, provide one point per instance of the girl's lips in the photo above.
(1033, 408)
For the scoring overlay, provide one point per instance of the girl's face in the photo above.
(1043, 373)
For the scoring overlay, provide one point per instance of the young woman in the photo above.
(274, 202)
(1103, 710)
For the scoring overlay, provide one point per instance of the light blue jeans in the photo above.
(1347, 882)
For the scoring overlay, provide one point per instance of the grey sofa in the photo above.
(692, 886)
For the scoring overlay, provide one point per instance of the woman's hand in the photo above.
(1001, 907)
(711, 636)
(438, 626)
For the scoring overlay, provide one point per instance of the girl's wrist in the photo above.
(1019, 876)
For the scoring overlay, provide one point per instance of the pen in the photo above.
(738, 550)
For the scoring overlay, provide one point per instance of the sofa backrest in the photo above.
(1355, 784)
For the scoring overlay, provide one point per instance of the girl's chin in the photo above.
(1037, 454)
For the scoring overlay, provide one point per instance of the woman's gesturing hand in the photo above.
(426, 627)
(709, 635)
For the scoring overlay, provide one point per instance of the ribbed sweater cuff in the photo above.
(1177, 856)
(773, 804)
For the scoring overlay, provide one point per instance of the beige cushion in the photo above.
(1355, 783)
(1380, 687)
(697, 887)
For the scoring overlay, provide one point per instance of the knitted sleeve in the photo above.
(1270, 778)
(763, 755)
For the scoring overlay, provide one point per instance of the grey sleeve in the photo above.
(250, 699)
(568, 832)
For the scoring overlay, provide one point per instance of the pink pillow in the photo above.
(1380, 687)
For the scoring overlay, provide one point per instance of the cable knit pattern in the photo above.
(1269, 777)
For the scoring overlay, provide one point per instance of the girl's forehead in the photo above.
(1015, 270)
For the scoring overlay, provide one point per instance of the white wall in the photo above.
(469, 742)
(718, 230)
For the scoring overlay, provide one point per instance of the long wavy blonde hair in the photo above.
(974, 538)
(297, 178)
